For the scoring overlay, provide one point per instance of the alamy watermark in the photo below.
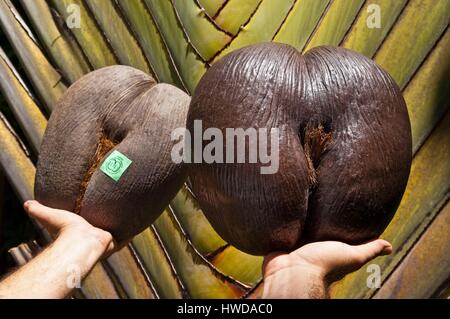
(73, 279)
(231, 145)
(73, 20)
(373, 281)
(373, 20)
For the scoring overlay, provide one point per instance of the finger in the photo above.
(366, 252)
(113, 247)
(49, 217)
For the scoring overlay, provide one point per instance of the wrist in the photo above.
(295, 282)
(95, 240)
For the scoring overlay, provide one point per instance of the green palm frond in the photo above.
(176, 41)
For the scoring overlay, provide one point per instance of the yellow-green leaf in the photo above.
(155, 260)
(203, 236)
(68, 57)
(45, 79)
(21, 102)
(412, 38)
(428, 94)
(200, 278)
(152, 44)
(14, 162)
(301, 22)
(87, 34)
(239, 265)
(98, 285)
(122, 41)
(365, 38)
(236, 13)
(211, 7)
(130, 275)
(204, 36)
(261, 27)
(186, 60)
(228, 260)
(426, 268)
(337, 20)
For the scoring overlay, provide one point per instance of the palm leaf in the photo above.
(187, 61)
(433, 264)
(202, 33)
(191, 218)
(16, 164)
(411, 39)
(123, 43)
(212, 7)
(88, 36)
(261, 26)
(337, 19)
(153, 45)
(158, 264)
(129, 273)
(234, 14)
(200, 278)
(301, 22)
(66, 54)
(46, 80)
(365, 40)
(22, 103)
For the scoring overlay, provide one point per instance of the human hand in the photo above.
(70, 226)
(308, 271)
(77, 244)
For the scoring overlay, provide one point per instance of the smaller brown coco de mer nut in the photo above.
(106, 150)
(344, 147)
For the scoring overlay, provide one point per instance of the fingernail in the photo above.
(28, 203)
(387, 250)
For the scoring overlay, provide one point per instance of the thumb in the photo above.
(49, 217)
(356, 256)
(366, 252)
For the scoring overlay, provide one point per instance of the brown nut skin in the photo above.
(114, 108)
(344, 147)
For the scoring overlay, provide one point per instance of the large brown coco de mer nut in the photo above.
(120, 109)
(344, 147)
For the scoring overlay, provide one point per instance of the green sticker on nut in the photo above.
(115, 165)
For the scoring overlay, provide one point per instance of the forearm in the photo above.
(49, 274)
